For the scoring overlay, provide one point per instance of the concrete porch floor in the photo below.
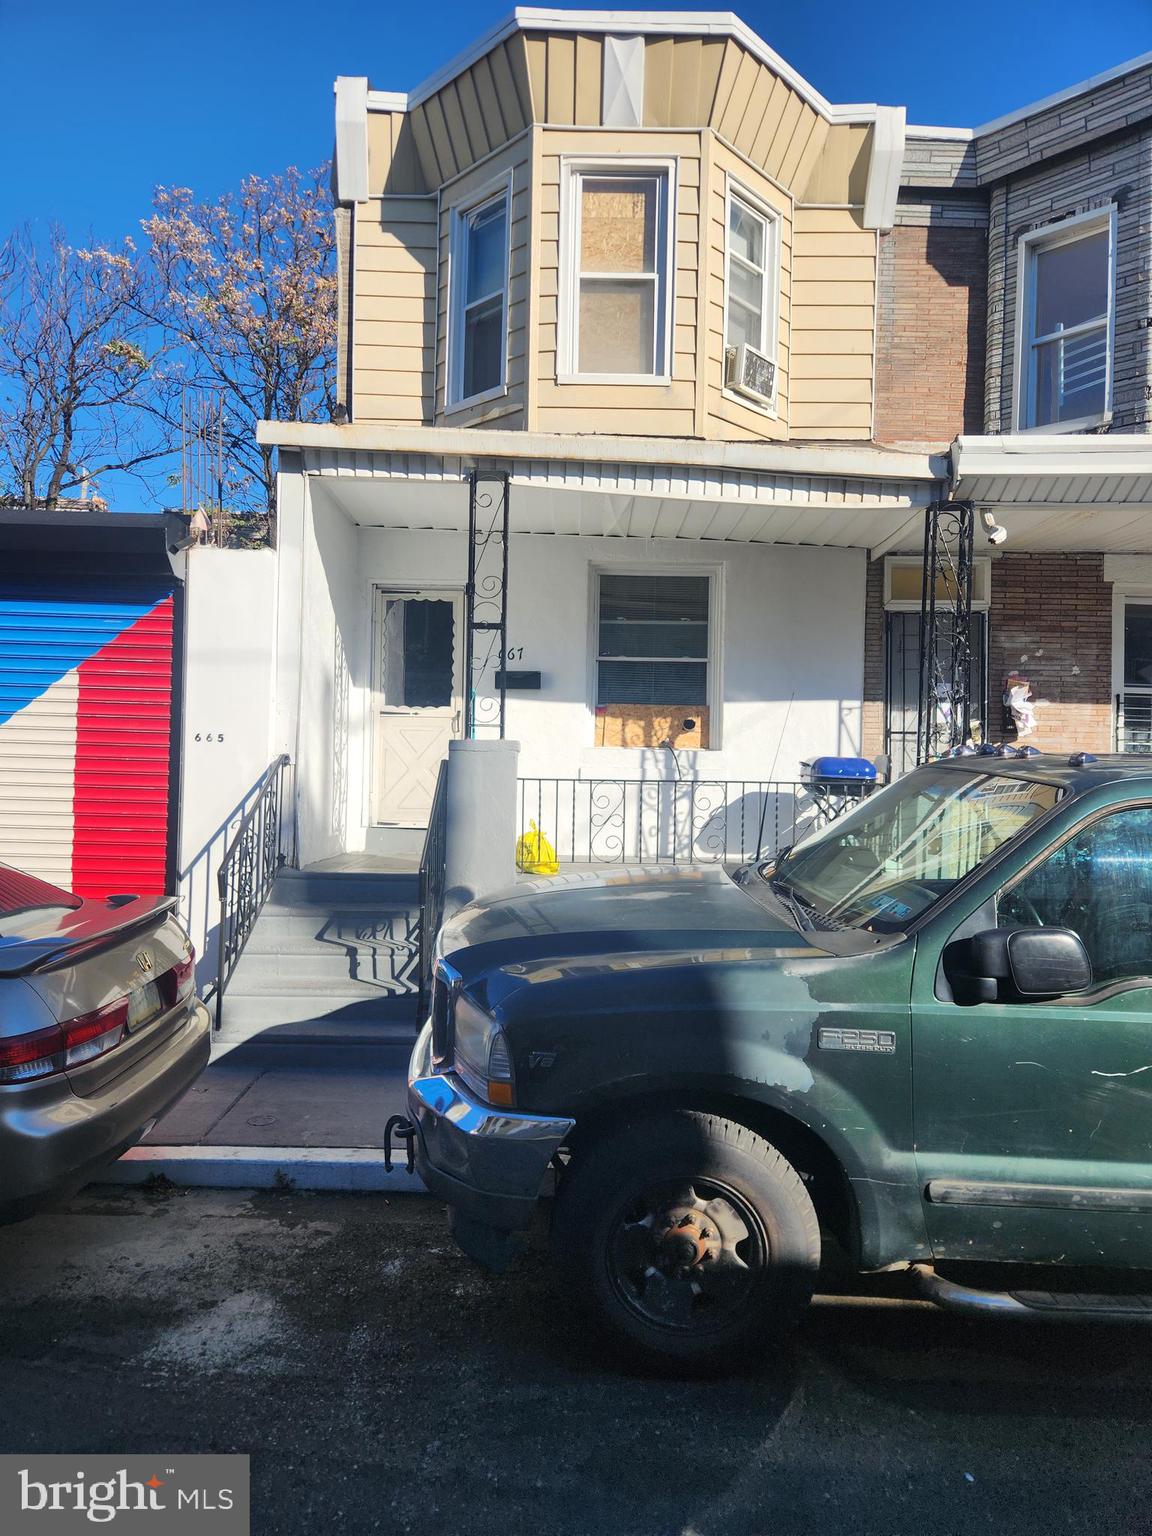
(364, 864)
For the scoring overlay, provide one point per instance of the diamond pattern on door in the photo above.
(411, 749)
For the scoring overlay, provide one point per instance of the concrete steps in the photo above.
(332, 959)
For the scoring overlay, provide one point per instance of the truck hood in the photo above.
(622, 911)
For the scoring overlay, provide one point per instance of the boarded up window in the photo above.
(620, 308)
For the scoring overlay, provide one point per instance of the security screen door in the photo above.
(417, 700)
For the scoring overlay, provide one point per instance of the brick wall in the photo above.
(1051, 619)
(930, 324)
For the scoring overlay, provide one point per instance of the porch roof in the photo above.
(623, 487)
(1061, 491)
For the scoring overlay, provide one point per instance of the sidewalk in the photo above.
(312, 1112)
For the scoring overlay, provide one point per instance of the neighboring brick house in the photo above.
(1014, 314)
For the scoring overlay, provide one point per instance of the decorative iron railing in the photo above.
(432, 873)
(263, 843)
(673, 821)
(1134, 721)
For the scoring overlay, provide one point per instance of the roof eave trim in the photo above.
(351, 139)
(861, 460)
(1081, 88)
(625, 24)
(884, 169)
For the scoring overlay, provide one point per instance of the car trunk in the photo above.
(82, 960)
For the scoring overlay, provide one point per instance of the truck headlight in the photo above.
(480, 1053)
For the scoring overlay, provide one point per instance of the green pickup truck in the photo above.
(920, 1039)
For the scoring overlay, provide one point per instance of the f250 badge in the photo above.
(882, 1040)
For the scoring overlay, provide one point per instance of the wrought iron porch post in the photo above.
(944, 708)
(486, 603)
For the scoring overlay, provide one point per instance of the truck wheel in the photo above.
(691, 1238)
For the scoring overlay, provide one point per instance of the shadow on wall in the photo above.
(959, 257)
(199, 896)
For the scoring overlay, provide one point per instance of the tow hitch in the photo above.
(400, 1127)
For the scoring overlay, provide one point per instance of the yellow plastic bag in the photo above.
(535, 855)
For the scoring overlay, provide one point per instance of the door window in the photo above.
(1099, 884)
(416, 661)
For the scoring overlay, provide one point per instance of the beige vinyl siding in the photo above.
(717, 111)
(394, 308)
(394, 166)
(517, 159)
(565, 78)
(833, 324)
(477, 112)
(653, 409)
(726, 415)
(839, 174)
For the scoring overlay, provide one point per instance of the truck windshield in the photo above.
(903, 849)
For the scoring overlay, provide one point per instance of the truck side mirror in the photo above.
(1018, 965)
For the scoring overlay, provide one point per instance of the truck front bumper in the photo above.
(487, 1164)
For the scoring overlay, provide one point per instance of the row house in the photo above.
(661, 356)
(1015, 317)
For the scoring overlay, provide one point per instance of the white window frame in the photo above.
(735, 191)
(981, 583)
(1137, 592)
(1031, 244)
(713, 672)
(573, 170)
(460, 217)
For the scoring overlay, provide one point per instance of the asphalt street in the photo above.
(380, 1382)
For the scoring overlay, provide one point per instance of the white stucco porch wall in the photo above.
(789, 669)
(791, 626)
(228, 699)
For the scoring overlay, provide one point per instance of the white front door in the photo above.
(417, 699)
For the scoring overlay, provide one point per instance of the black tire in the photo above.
(698, 1312)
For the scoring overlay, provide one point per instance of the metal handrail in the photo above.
(433, 869)
(674, 821)
(249, 866)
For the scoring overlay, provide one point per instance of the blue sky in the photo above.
(103, 101)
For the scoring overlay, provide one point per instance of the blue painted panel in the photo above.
(47, 630)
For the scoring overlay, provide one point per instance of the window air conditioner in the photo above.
(750, 373)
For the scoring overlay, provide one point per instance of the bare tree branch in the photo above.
(82, 366)
(247, 288)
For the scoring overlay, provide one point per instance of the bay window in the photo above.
(616, 264)
(750, 297)
(478, 323)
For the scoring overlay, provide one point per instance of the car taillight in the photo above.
(38, 1054)
(91, 1034)
(43, 1052)
(179, 983)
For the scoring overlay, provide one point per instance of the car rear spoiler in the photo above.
(95, 928)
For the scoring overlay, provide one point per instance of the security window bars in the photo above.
(750, 262)
(618, 314)
(478, 337)
(1067, 326)
(653, 640)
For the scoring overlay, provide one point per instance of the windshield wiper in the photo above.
(790, 899)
